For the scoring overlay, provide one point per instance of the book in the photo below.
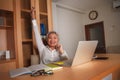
(2, 21)
(28, 70)
(43, 29)
(54, 66)
(60, 63)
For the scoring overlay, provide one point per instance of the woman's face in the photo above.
(52, 40)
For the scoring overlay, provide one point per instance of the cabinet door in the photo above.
(26, 29)
(4, 66)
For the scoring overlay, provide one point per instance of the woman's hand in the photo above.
(59, 48)
(33, 13)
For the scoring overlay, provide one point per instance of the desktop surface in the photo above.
(93, 70)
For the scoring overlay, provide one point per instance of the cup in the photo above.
(7, 54)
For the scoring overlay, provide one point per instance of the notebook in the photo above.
(84, 53)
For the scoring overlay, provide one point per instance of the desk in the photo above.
(93, 70)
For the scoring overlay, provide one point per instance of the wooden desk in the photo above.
(93, 70)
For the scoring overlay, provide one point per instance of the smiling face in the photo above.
(52, 40)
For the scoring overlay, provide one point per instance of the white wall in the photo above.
(68, 24)
(111, 20)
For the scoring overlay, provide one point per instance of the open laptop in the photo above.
(84, 53)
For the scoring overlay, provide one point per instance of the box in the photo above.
(2, 21)
(2, 55)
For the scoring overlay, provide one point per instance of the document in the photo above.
(28, 70)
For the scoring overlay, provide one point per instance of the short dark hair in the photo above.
(52, 32)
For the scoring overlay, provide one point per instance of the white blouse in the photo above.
(46, 54)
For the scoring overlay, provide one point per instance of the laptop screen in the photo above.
(84, 52)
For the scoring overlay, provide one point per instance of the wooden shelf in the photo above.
(7, 61)
(27, 40)
(26, 10)
(5, 27)
(44, 13)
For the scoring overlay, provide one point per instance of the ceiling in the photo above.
(83, 4)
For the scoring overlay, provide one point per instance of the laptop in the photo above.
(84, 53)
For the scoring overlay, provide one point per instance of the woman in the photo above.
(53, 51)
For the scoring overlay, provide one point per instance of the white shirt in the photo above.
(46, 54)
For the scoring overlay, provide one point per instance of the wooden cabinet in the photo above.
(27, 44)
(7, 35)
(16, 32)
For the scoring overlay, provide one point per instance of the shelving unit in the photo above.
(7, 35)
(42, 14)
(7, 32)
(16, 32)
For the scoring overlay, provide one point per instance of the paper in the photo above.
(28, 70)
